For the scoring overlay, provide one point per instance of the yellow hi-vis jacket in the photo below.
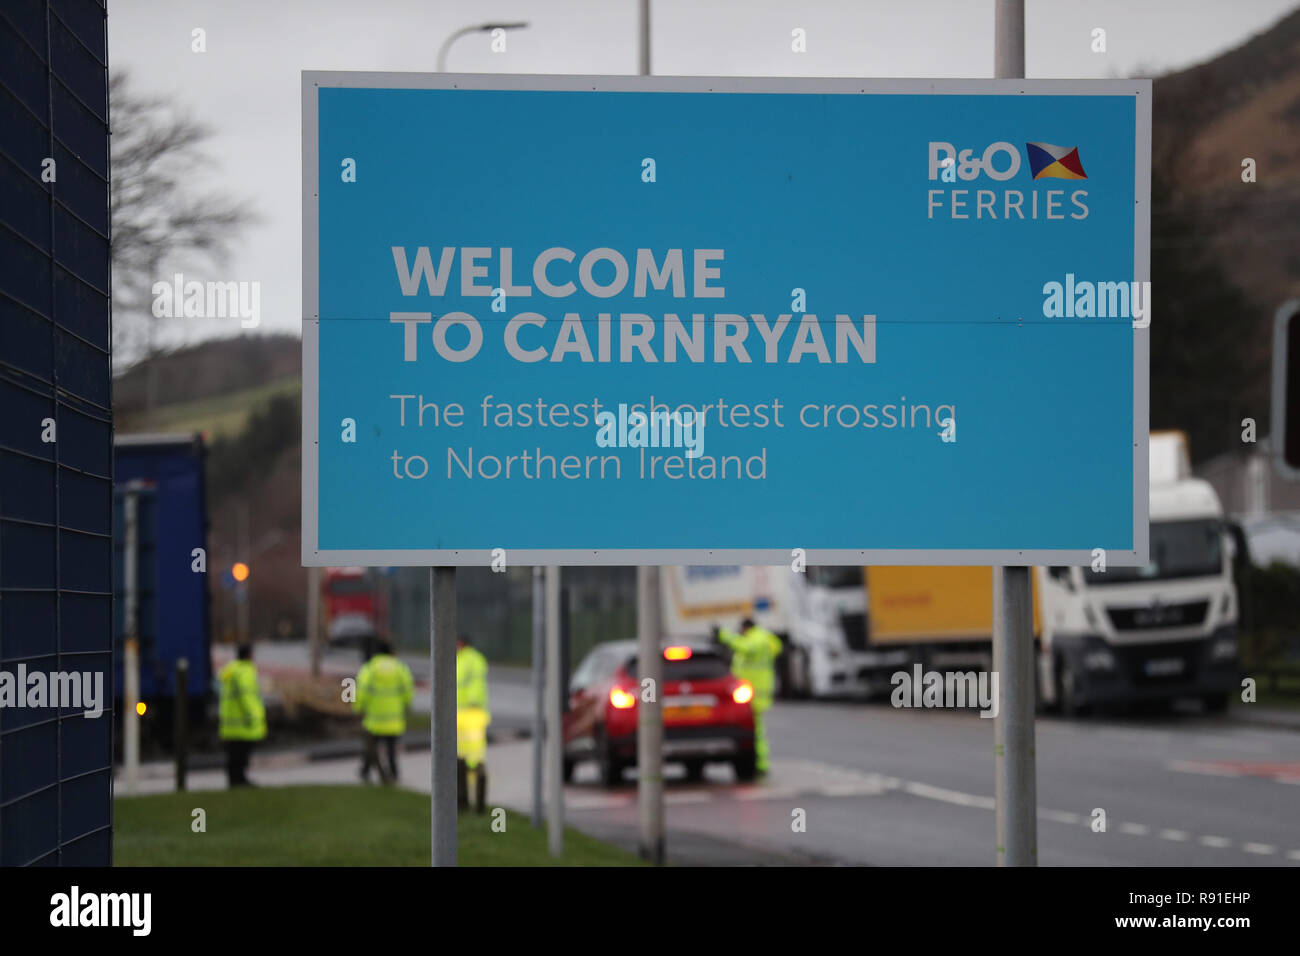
(753, 658)
(384, 691)
(240, 713)
(471, 679)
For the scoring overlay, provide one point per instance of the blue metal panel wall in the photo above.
(56, 497)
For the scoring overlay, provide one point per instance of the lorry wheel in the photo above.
(1215, 703)
(695, 770)
(567, 768)
(799, 685)
(1067, 690)
(611, 769)
(1041, 706)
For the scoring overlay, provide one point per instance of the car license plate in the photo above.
(1164, 667)
(695, 712)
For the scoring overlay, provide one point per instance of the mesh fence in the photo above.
(56, 464)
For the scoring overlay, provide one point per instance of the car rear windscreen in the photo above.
(699, 666)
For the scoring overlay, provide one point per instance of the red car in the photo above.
(707, 714)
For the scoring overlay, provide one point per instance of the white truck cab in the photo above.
(820, 616)
(829, 652)
(1164, 630)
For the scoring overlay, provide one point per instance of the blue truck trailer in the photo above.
(165, 477)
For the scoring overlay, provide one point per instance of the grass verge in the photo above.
(326, 826)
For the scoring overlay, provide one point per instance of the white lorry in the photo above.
(820, 615)
(1165, 630)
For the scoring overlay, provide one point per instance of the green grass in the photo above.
(326, 826)
(219, 415)
(1286, 696)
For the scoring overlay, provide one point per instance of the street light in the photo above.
(480, 28)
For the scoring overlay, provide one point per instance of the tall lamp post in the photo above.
(478, 28)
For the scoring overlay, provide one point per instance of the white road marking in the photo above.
(1178, 836)
(1137, 829)
(1217, 842)
(1197, 766)
(947, 796)
(1235, 744)
(1059, 816)
(865, 789)
(1144, 736)
(595, 801)
(767, 793)
(1262, 849)
(688, 796)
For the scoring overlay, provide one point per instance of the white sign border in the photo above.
(312, 80)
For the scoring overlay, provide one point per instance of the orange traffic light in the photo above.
(240, 571)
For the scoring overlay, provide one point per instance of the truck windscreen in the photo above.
(1179, 549)
(835, 577)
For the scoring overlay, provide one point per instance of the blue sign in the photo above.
(605, 320)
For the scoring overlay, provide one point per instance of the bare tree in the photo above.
(159, 220)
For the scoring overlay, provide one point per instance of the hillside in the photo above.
(1207, 119)
(222, 415)
(208, 370)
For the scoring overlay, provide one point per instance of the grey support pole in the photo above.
(643, 35)
(554, 718)
(313, 619)
(650, 717)
(442, 712)
(1015, 794)
(539, 687)
(649, 611)
(181, 722)
(1009, 39)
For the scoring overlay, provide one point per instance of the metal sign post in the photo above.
(650, 717)
(649, 611)
(539, 689)
(442, 712)
(1015, 797)
(554, 717)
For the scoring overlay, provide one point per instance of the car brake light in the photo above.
(677, 653)
(621, 699)
(743, 693)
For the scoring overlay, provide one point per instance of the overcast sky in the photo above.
(246, 85)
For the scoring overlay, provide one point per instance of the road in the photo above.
(885, 786)
(902, 787)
